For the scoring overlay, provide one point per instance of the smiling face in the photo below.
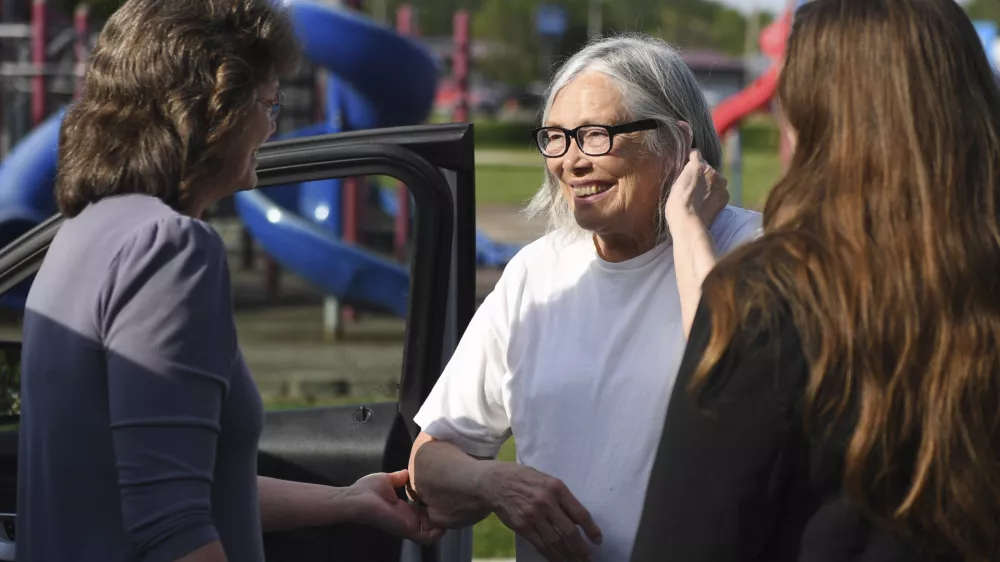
(615, 195)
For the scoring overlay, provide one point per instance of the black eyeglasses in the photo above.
(276, 104)
(593, 140)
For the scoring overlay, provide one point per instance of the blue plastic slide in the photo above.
(27, 181)
(378, 79)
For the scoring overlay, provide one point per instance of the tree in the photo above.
(99, 9)
(984, 10)
(515, 58)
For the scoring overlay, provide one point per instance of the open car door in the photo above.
(333, 445)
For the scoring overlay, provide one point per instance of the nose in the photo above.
(575, 160)
(274, 126)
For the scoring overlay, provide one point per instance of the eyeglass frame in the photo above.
(612, 130)
(275, 105)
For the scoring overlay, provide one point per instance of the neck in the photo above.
(616, 248)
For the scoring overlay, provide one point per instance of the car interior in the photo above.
(332, 445)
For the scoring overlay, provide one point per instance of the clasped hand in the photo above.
(380, 507)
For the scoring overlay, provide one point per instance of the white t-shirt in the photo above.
(576, 357)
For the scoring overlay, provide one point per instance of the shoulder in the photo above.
(763, 350)
(550, 252)
(170, 247)
(734, 226)
(172, 236)
(547, 264)
(537, 271)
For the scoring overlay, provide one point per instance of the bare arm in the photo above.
(211, 552)
(372, 500)
(694, 257)
(696, 198)
(450, 480)
(289, 505)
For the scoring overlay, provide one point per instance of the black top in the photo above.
(735, 477)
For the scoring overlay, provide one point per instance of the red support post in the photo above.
(39, 29)
(81, 23)
(3, 152)
(405, 25)
(460, 65)
(350, 206)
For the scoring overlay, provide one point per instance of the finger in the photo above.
(579, 515)
(554, 542)
(399, 478)
(573, 542)
(535, 538)
(428, 534)
(434, 535)
(694, 161)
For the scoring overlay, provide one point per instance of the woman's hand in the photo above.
(541, 509)
(699, 191)
(378, 505)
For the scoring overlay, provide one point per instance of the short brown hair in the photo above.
(167, 86)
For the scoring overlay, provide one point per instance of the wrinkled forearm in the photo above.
(694, 258)
(451, 483)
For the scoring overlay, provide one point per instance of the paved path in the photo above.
(529, 157)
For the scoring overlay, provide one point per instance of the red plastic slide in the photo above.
(758, 94)
(753, 98)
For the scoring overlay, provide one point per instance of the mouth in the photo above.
(586, 191)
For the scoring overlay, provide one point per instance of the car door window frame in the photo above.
(436, 163)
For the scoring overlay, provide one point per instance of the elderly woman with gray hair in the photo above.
(575, 351)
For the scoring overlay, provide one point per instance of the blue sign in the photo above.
(550, 19)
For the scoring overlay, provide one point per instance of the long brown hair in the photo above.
(882, 244)
(166, 89)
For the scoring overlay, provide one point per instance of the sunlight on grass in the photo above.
(490, 537)
(506, 185)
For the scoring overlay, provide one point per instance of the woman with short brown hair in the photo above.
(844, 369)
(140, 423)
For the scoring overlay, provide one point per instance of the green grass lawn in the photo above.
(514, 185)
(506, 185)
(760, 172)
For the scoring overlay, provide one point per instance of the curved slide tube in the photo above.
(758, 95)
(337, 269)
(489, 252)
(755, 97)
(387, 80)
(379, 79)
(27, 183)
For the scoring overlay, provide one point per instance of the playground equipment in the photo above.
(376, 77)
(757, 96)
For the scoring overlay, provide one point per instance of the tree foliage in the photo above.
(521, 55)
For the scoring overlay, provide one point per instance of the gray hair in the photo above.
(655, 83)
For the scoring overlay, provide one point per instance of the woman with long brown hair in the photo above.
(839, 399)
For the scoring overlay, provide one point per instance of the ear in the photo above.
(685, 129)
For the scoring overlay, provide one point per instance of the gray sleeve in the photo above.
(165, 316)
